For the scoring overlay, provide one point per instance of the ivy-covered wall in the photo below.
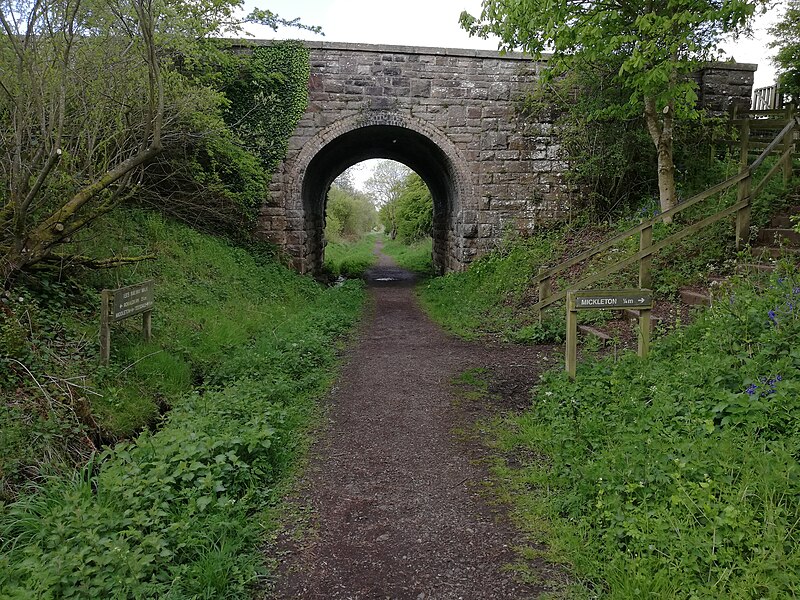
(268, 94)
(217, 163)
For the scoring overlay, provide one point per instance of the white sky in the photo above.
(435, 23)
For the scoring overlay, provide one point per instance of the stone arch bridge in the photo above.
(450, 116)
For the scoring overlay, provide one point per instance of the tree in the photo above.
(414, 210)
(349, 214)
(385, 185)
(89, 92)
(71, 146)
(787, 41)
(658, 45)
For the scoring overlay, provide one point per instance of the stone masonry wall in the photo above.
(506, 173)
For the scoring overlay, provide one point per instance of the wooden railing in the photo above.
(783, 144)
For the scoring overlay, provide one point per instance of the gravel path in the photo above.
(392, 489)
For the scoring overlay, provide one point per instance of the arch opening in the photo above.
(400, 144)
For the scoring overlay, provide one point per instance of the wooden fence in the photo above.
(782, 144)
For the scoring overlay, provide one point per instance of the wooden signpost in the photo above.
(635, 299)
(120, 304)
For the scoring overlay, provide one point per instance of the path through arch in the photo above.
(417, 145)
(394, 491)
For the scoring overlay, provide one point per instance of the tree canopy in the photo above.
(652, 46)
(91, 92)
(787, 43)
(385, 185)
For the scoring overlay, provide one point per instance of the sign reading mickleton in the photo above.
(638, 299)
(613, 299)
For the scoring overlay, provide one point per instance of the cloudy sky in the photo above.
(435, 23)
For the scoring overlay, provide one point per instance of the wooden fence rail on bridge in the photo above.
(783, 144)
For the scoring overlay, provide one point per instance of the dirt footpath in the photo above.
(393, 491)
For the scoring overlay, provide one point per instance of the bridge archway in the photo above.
(417, 145)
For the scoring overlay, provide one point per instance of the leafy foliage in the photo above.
(349, 214)
(490, 297)
(413, 210)
(216, 167)
(93, 94)
(676, 476)
(786, 35)
(609, 158)
(242, 348)
(653, 47)
(350, 259)
(384, 186)
(268, 93)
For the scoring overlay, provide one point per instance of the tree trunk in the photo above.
(660, 128)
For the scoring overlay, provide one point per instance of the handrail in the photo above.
(644, 229)
(644, 253)
(638, 228)
(774, 143)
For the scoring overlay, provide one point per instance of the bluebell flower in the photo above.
(772, 317)
(751, 389)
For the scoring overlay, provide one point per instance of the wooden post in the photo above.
(147, 325)
(572, 337)
(105, 327)
(646, 262)
(743, 214)
(545, 288)
(122, 303)
(744, 141)
(743, 189)
(788, 140)
(644, 332)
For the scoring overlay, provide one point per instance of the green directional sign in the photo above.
(612, 299)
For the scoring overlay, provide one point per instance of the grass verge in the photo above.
(417, 257)
(351, 259)
(242, 349)
(676, 476)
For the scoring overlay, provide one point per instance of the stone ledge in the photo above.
(391, 49)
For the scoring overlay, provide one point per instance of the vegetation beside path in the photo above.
(674, 477)
(242, 348)
(671, 477)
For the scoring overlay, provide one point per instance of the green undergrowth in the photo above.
(241, 349)
(676, 476)
(416, 257)
(493, 296)
(350, 258)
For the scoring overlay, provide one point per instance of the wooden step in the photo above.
(783, 219)
(602, 335)
(773, 236)
(630, 314)
(695, 298)
(759, 267)
(774, 253)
